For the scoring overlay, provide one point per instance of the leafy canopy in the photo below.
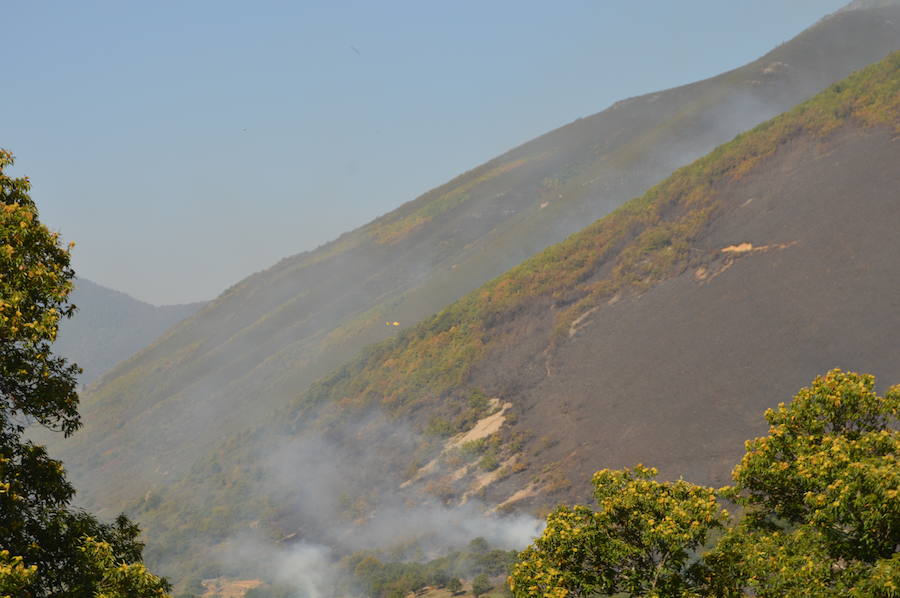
(820, 514)
(35, 281)
(820, 494)
(43, 540)
(639, 541)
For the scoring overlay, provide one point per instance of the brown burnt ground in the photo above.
(679, 376)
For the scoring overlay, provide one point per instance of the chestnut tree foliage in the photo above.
(639, 540)
(820, 496)
(820, 514)
(47, 548)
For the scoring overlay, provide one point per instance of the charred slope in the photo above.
(657, 334)
(111, 326)
(660, 333)
(798, 274)
(267, 338)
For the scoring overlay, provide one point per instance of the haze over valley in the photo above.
(407, 407)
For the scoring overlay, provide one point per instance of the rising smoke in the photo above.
(311, 478)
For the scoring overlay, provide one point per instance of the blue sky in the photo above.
(185, 145)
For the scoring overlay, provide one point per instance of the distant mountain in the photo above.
(662, 332)
(163, 426)
(659, 334)
(111, 326)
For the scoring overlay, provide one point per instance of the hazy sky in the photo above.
(184, 145)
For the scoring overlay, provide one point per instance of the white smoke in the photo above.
(307, 475)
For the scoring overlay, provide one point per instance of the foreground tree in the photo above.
(42, 538)
(820, 495)
(638, 542)
(820, 499)
(15, 576)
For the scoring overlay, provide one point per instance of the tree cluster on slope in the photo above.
(392, 579)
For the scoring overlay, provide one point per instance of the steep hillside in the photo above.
(267, 338)
(658, 334)
(662, 331)
(110, 326)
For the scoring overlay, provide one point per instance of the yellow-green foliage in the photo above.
(639, 540)
(642, 242)
(388, 233)
(820, 514)
(120, 579)
(40, 536)
(15, 575)
(31, 261)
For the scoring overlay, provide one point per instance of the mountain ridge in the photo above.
(289, 321)
(769, 202)
(110, 326)
(268, 337)
(637, 264)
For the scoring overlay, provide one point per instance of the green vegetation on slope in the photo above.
(380, 578)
